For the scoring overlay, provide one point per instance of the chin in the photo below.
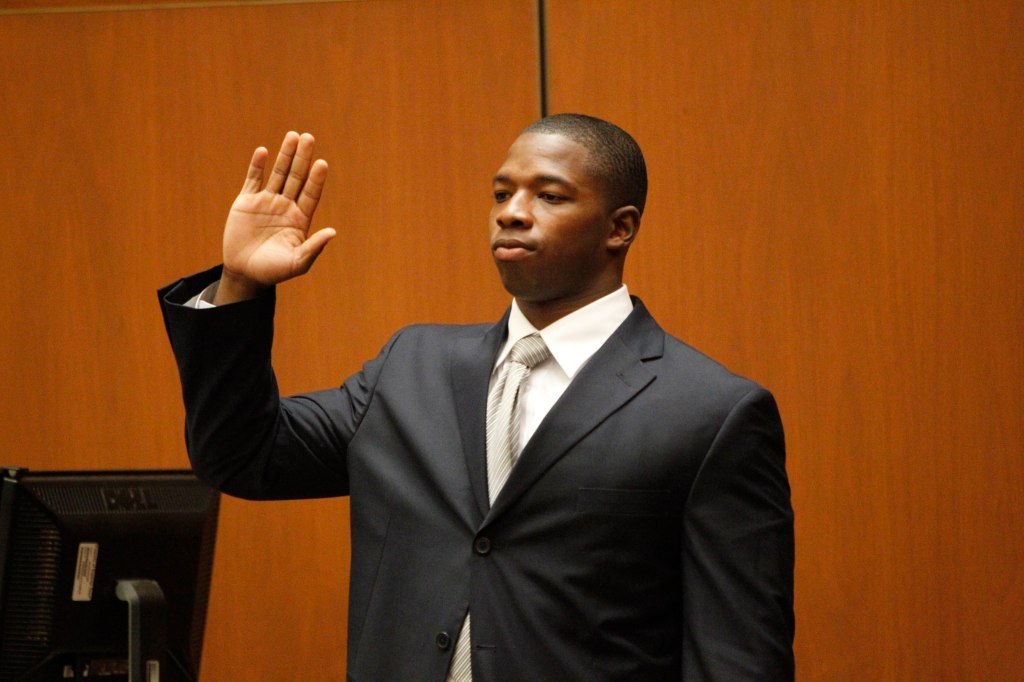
(516, 284)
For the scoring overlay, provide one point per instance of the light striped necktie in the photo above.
(503, 410)
(502, 452)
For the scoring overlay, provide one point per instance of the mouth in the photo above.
(511, 249)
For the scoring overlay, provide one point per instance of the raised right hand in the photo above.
(266, 237)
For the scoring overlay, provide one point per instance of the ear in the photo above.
(624, 223)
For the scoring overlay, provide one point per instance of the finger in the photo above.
(300, 167)
(254, 177)
(283, 162)
(311, 249)
(314, 187)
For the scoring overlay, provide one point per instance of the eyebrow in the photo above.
(536, 180)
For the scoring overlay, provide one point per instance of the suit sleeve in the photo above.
(738, 552)
(242, 438)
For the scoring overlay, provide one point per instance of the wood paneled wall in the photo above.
(126, 137)
(835, 210)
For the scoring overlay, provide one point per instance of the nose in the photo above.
(514, 213)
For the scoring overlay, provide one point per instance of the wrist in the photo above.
(234, 288)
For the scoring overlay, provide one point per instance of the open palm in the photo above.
(267, 236)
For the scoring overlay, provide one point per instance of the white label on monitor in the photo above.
(152, 671)
(85, 571)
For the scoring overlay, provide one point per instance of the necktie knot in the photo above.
(529, 350)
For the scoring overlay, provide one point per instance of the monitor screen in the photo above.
(80, 550)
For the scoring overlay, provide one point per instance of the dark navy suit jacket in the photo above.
(645, 533)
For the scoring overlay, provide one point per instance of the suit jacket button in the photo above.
(482, 546)
(443, 641)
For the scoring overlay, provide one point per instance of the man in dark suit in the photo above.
(641, 529)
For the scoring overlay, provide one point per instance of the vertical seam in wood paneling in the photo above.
(542, 60)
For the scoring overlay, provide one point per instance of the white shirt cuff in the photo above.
(204, 299)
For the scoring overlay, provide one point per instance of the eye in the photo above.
(551, 198)
(500, 195)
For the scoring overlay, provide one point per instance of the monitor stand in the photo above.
(147, 628)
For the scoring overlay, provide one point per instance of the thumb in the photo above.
(311, 249)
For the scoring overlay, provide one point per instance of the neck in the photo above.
(542, 313)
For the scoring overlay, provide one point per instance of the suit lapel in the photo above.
(472, 363)
(610, 379)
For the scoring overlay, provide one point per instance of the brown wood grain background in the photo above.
(836, 210)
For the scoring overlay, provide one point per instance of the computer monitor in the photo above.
(104, 575)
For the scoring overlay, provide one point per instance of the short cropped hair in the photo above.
(615, 156)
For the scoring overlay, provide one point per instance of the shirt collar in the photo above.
(577, 336)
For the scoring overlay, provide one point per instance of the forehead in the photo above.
(547, 154)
